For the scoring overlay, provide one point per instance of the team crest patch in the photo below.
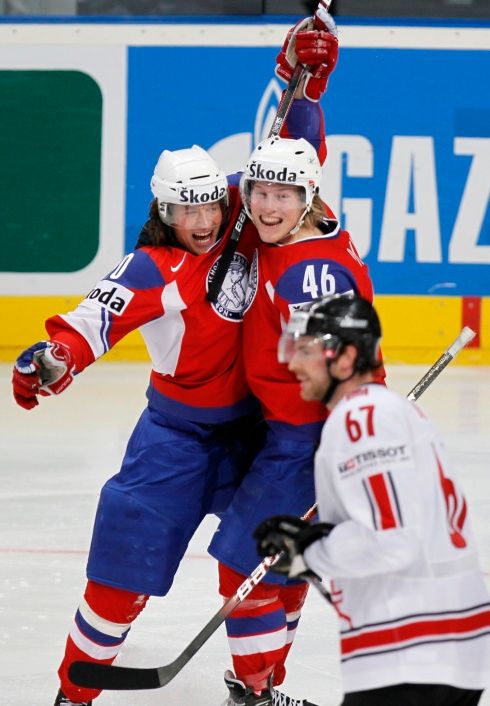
(230, 302)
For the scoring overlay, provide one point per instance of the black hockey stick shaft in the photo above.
(281, 115)
(231, 245)
(105, 676)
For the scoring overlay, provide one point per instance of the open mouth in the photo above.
(270, 221)
(203, 238)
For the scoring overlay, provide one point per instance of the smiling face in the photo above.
(197, 227)
(276, 209)
(308, 363)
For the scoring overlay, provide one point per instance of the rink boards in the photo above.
(86, 108)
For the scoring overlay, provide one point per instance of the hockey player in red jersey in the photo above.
(303, 253)
(395, 537)
(195, 439)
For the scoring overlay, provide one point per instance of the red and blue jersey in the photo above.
(195, 345)
(283, 277)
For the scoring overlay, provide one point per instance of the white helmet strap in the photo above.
(298, 225)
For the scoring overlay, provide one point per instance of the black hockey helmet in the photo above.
(336, 321)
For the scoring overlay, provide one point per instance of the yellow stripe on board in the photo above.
(416, 329)
(23, 324)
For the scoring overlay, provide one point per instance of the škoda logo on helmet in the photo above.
(259, 171)
(192, 196)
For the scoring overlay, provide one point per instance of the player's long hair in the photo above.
(316, 213)
(155, 231)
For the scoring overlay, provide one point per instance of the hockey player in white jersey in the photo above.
(395, 538)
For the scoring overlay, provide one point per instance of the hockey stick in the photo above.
(106, 676)
(465, 336)
(281, 115)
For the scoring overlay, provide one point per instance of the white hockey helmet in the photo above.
(282, 160)
(188, 177)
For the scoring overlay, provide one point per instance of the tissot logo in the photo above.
(113, 297)
(376, 455)
(197, 197)
(264, 173)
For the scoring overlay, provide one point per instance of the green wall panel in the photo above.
(50, 166)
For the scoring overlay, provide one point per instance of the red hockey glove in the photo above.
(314, 43)
(286, 60)
(46, 368)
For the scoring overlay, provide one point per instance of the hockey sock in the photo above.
(102, 621)
(258, 628)
(293, 597)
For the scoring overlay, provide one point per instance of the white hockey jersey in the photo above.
(411, 598)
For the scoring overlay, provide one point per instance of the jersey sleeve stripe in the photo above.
(456, 508)
(371, 505)
(104, 329)
(395, 498)
(385, 514)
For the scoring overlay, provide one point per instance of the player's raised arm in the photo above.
(313, 43)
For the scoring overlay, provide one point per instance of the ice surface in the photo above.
(53, 461)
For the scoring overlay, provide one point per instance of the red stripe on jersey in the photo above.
(456, 507)
(397, 635)
(382, 499)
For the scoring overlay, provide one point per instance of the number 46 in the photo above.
(364, 422)
(327, 282)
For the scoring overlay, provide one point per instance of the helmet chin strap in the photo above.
(334, 382)
(298, 225)
(330, 390)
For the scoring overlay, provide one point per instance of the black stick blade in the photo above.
(105, 676)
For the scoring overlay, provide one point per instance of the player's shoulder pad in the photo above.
(135, 272)
(138, 270)
(390, 407)
(312, 276)
(369, 428)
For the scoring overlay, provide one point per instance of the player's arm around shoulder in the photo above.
(313, 43)
(125, 299)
